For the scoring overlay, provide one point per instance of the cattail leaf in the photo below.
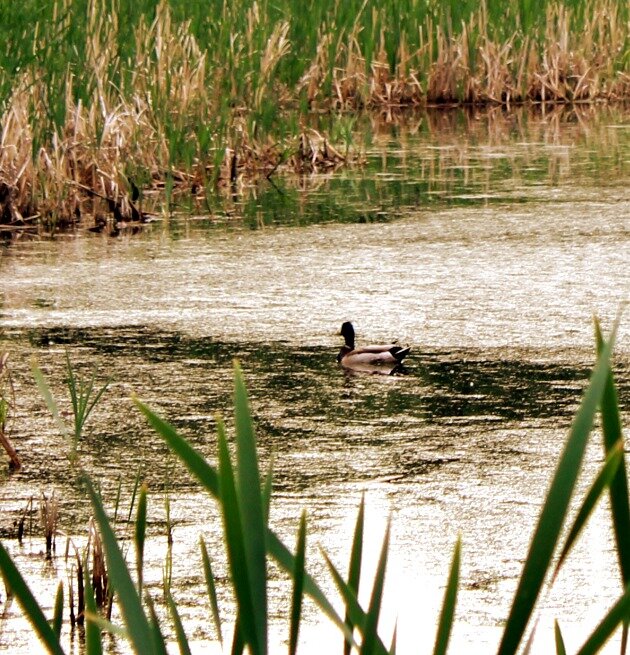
(182, 640)
(58, 611)
(447, 614)
(140, 535)
(238, 642)
(392, 648)
(192, 459)
(298, 586)
(618, 613)
(252, 511)
(233, 528)
(602, 482)
(53, 408)
(93, 641)
(138, 628)
(555, 507)
(134, 493)
(354, 568)
(157, 638)
(370, 632)
(33, 612)
(267, 491)
(208, 477)
(619, 496)
(212, 592)
(286, 560)
(560, 648)
(355, 611)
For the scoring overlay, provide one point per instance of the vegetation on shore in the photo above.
(244, 497)
(103, 101)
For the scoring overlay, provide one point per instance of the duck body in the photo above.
(388, 354)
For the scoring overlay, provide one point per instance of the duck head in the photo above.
(347, 332)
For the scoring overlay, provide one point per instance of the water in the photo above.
(486, 242)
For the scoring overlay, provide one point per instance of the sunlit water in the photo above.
(488, 245)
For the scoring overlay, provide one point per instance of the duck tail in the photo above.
(399, 353)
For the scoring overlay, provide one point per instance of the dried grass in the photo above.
(49, 519)
(183, 117)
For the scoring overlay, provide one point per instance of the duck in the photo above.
(350, 356)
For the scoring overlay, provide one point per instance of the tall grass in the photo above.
(244, 496)
(104, 99)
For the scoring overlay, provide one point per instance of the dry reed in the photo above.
(49, 519)
(180, 116)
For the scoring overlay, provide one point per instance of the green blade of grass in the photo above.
(267, 491)
(140, 535)
(93, 641)
(354, 568)
(212, 591)
(157, 638)
(618, 613)
(193, 460)
(234, 540)
(619, 496)
(209, 479)
(182, 640)
(14, 581)
(58, 611)
(448, 607)
(355, 611)
(370, 633)
(44, 389)
(298, 586)
(238, 644)
(555, 507)
(560, 647)
(600, 484)
(392, 648)
(138, 628)
(252, 512)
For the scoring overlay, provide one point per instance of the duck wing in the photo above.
(375, 355)
(382, 348)
(387, 350)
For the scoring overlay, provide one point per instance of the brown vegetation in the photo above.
(86, 168)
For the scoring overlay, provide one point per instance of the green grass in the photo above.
(243, 496)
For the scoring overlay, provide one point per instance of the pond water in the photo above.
(487, 242)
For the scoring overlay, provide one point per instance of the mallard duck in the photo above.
(375, 355)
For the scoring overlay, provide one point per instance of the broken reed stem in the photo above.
(6, 388)
(28, 511)
(49, 518)
(76, 617)
(15, 462)
(100, 578)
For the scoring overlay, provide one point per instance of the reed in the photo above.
(49, 519)
(105, 102)
(84, 397)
